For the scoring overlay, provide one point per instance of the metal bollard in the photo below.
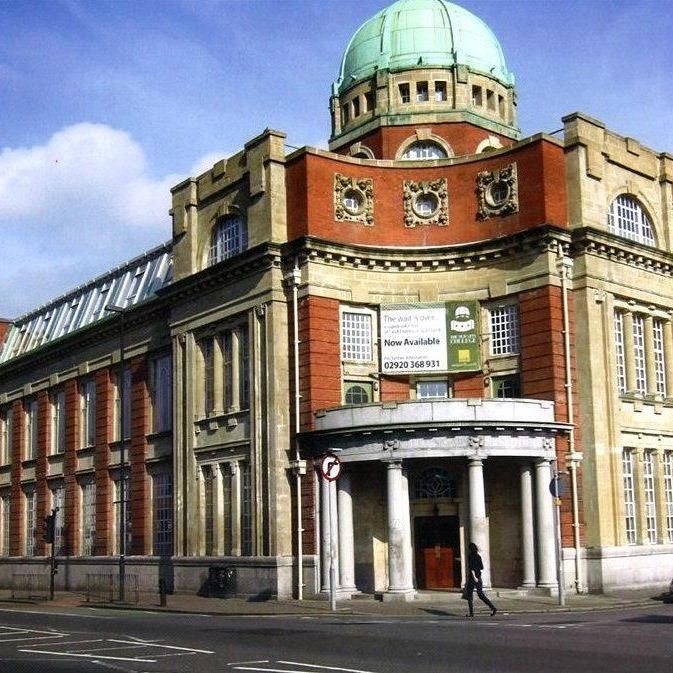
(162, 593)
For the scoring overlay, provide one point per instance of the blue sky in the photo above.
(105, 104)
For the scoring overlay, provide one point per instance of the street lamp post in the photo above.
(122, 453)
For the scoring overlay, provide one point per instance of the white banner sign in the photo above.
(413, 339)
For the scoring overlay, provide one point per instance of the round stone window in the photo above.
(426, 204)
(497, 193)
(353, 201)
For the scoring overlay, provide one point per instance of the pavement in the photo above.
(427, 603)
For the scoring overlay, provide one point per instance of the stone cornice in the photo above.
(544, 238)
(590, 241)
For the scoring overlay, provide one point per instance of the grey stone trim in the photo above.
(434, 189)
(497, 192)
(363, 190)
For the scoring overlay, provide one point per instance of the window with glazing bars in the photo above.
(619, 352)
(88, 518)
(432, 390)
(229, 237)
(208, 389)
(650, 496)
(659, 358)
(627, 218)
(128, 379)
(209, 509)
(668, 493)
(58, 503)
(4, 523)
(244, 353)
(58, 422)
(161, 393)
(356, 336)
(162, 492)
(30, 523)
(504, 323)
(639, 353)
(246, 509)
(31, 430)
(88, 410)
(118, 512)
(629, 496)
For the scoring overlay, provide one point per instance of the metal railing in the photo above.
(104, 588)
(30, 585)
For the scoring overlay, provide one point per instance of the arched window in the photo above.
(434, 483)
(628, 219)
(229, 237)
(424, 149)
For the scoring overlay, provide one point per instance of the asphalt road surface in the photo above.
(85, 640)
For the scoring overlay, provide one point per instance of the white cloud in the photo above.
(81, 203)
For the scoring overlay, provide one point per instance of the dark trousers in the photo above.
(477, 586)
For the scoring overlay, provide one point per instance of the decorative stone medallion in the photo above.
(426, 203)
(353, 199)
(497, 192)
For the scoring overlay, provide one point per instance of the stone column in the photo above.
(329, 527)
(668, 356)
(218, 511)
(400, 581)
(629, 358)
(478, 522)
(650, 367)
(346, 543)
(546, 541)
(527, 526)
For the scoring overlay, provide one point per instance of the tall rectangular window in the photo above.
(88, 413)
(227, 360)
(668, 493)
(440, 91)
(5, 441)
(58, 422)
(619, 352)
(209, 509)
(162, 494)
(504, 322)
(118, 513)
(405, 97)
(161, 392)
(659, 359)
(629, 496)
(58, 503)
(4, 525)
(208, 381)
(421, 92)
(31, 502)
(477, 99)
(246, 509)
(31, 430)
(126, 396)
(649, 492)
(244, 373)
(88, 518)
(639, 353)
(356, 336)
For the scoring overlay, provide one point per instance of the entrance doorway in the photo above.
(437, 549)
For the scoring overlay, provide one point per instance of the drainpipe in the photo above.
(564, 266)
(298, 471)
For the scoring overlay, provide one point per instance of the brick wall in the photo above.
(104, 435)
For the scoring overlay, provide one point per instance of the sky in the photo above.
(106, 104)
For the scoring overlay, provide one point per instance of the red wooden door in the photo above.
(438, 567)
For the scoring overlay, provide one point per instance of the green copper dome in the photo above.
(420, 34)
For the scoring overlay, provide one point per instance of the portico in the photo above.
(397, 444)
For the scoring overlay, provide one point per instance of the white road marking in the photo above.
(89, 656)
(58, 614)
(27, 638)
(236, 663)
(168, 647)
(330, 668)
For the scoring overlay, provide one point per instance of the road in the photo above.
(85, 640)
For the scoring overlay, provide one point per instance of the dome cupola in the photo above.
(427, 60)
